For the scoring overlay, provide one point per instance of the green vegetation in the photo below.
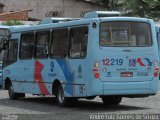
(111, 4)
(141, 8)
(12, 22)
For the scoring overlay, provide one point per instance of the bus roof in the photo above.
(88, 15)
(2, 26)
(6, 30)
(76, 22)
(13, 27)
(56, 20)
(99, 14)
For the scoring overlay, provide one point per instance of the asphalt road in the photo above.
(45, 108)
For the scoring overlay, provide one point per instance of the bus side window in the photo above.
(78, 42)
(58, 43)
(11, 55)
(41, 44)
(26, 47)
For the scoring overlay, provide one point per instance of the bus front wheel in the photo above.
(111, 100)
(12, 94)
(62, 100)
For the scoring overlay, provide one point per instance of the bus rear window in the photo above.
(129, 34)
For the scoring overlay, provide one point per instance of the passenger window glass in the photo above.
(125, 34)
(78, 42)
(10, 55)
(26, 47)
(59, 43)
(13, 48)
(41, 48)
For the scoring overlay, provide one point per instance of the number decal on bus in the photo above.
(107, 62)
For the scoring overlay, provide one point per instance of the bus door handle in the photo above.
(127, 50)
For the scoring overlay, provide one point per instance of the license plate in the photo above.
(126, 74)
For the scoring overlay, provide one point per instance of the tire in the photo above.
(62, 100)
(111, 100)
(13, 95)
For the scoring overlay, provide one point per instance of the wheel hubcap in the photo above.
(61, 95)
(11, 90)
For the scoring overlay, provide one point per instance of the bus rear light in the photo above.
(155, 63)
(96, 75)
(95, 70)
(156, 72)
(156, 69)
(96, 65)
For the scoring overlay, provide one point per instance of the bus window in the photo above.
(59, 43)
(4, 32)
(11, 54)
(41, 47)
(78, 42)
(26, 47)
(134, 34)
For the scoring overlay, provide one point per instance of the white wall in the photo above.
(69, 8)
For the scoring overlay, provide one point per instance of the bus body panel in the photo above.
(124, 88)
(141, 66)
(37, 76)
(110, 81)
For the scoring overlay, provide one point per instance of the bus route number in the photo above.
(108, 62)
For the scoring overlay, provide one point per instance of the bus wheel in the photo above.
(14, 95)
(62, 100)
(111, 100)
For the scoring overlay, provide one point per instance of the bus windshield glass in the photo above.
(125, 34)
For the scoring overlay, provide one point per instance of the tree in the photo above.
(154, 11)
(12, 22)
(111, 4)
(136, 7)
(143, 8)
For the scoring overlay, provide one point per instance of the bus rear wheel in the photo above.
(62, 100)
(111, 100)
(13, 95)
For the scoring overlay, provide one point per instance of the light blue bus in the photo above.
(4, 32)
(109, 57)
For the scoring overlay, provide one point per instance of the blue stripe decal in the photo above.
(149, 62)
(68, 75)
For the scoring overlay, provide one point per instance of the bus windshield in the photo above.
(121, 34)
